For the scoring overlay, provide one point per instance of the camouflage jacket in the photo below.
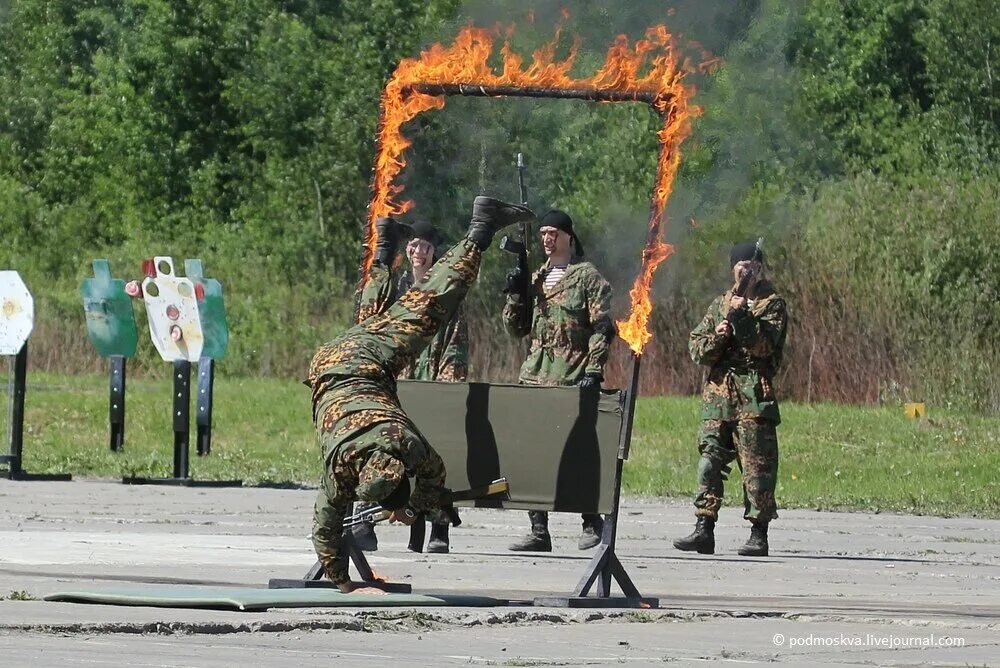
(446, 358)
(571, 327)
(741, 365)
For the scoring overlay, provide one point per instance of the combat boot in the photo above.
(364, 537)
(439, 538)
(756, 545)
(491, 215)
(701, 540)
(539, 539)
(593, 527)
(389, 233)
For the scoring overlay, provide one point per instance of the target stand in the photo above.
(17, 319)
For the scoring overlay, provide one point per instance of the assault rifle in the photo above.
(376, 514)
(743, 285)
(520, 249)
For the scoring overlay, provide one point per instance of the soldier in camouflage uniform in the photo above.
(571, 332)
(740, 340)
(370, 447)
(446, 359)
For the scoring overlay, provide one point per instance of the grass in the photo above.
(832, 456)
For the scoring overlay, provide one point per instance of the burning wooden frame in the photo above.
(649, 72)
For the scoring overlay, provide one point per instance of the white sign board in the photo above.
(172, 312)
(17, 313)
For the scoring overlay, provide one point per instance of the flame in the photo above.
(634, 330)
(650, 66)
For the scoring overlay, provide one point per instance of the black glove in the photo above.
(514, 281)
(591, 380)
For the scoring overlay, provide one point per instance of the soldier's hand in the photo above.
(591, 380)
(352, 587)
(723, 328)
(736, 303)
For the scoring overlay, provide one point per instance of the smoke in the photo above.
(598, 161)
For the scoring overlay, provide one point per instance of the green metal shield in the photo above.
(211, 310)
(110, 318)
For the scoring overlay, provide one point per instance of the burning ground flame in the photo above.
(650, 68)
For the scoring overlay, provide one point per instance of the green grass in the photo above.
(833, 456)
(262, 430)
(846, 457)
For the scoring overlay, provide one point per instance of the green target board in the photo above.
(211, 310)
(108, 310)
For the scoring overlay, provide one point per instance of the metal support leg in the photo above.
(182, 417)
(116, 403)
(203, 402)
(17, 388)
(17, 385)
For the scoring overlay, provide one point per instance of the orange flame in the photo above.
(650, 67)
(634, 330)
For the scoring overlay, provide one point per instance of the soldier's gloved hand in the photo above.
(514, 280)
(591, 380)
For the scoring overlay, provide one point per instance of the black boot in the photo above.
(539, 539)
(439, 539)
(417, 532)
(756, 545)
(491, 215)
(593, 527)
(701, 540)
(389, 234)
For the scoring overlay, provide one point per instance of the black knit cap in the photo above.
(424, 230)
(561, 221)
(744, 251)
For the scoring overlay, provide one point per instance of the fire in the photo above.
(634, 330)
(650, 70)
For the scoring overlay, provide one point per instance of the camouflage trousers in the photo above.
(753, 443)
(357, 414)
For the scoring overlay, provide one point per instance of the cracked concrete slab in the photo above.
(839, 588)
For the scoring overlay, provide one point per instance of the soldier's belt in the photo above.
(499, 487)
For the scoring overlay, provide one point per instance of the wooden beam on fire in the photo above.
(592, 94)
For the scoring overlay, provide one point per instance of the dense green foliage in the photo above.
(861, 137)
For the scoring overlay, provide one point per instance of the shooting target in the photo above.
(172, 312)
(17, 313)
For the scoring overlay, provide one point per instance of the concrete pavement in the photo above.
(840, 588)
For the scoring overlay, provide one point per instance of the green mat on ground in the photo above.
(240, 598)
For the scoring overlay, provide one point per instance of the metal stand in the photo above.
(116, 402)
(182, 432)
(203, 414)
(17, 385)
(313, 579)
(605, 565)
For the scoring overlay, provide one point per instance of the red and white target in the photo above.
(172, 313)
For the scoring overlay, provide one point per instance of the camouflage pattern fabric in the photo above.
(739, 409)
(571, 332)
(355, 407)
(754, 445)
(446, 358)
(571, 327)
